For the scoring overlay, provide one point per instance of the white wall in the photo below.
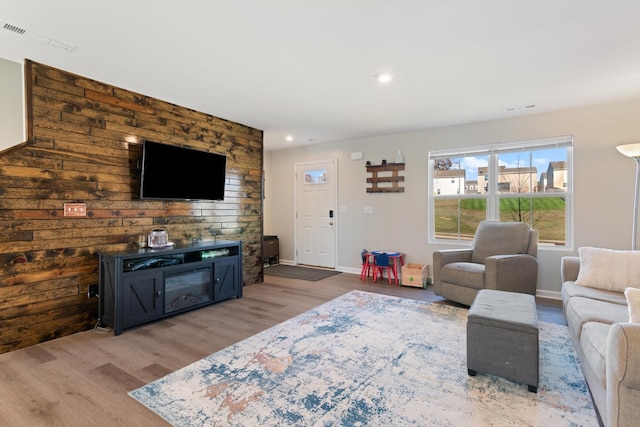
(604, 185)
(12, 126)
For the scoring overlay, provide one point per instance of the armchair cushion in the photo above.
(500, 238)
(464, 273)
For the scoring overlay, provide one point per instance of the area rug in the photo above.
(366, 359)
(302, 273)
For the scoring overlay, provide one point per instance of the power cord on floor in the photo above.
(98, 326)
(100, 329)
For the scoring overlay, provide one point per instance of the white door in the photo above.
(316, 213)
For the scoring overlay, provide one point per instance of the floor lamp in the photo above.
(633, 151)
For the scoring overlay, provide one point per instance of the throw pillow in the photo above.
(633, 302)
(609, 269)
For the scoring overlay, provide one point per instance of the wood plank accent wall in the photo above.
(85, 146)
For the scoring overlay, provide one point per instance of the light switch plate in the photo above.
(75, 209)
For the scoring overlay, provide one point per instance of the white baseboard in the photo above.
(349, 270)
(539, 293)
(548, 294)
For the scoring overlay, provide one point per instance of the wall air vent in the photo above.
(524, 107)
(68, 47)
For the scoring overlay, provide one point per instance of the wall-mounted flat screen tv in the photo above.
(176, 173)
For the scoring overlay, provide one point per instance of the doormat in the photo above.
(302, 273)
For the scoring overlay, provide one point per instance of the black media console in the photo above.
(139, 286)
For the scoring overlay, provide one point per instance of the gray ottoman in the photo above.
(502, 337)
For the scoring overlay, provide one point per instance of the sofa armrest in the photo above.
(514, 273)
(623, 374)
(569, 268)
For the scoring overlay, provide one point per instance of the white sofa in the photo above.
(607, 345)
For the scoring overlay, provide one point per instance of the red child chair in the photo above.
(368, 264)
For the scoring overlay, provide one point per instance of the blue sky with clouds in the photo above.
(540, 160)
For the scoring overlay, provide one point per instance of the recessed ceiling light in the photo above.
(289, 138)
(384, 77)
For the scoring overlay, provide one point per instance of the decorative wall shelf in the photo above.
(394, 179)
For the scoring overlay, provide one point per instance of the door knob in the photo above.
(331, 223)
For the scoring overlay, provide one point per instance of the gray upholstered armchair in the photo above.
(503, 257)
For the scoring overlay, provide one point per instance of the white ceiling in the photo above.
(307, 68)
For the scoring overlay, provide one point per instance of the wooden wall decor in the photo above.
(85, 146)
(389, 181)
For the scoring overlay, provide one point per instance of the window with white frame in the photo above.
(526, 181)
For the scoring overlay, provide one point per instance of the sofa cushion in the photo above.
(463, 273)
(593, 341)
(609, 269)
(633, 302)
(571, 289)
(580, 310)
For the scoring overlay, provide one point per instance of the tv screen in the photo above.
(176, 173)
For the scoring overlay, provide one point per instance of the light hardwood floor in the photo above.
(83, 379)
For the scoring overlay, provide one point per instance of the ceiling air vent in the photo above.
(37, 36)
(13, 28)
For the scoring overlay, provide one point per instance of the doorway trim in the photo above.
(336, 225)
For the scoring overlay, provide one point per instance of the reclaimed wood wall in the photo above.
(85, 146)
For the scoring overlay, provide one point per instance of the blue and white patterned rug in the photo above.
(365, 359)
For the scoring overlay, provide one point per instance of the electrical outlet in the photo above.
(75, 209)
(93, 291)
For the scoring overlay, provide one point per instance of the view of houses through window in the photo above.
(524, 182)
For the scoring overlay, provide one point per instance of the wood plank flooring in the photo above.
(83, 379)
